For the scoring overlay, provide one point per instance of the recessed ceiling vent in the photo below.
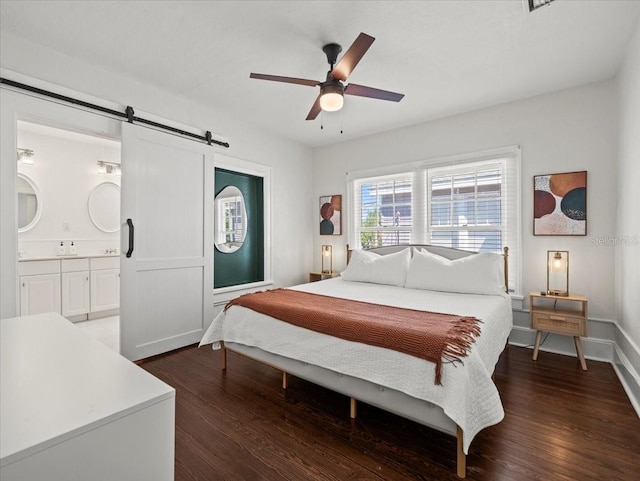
(535, 4)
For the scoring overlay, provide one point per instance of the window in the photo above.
(230, 221)
(468, 203)
(241, 256)
(385, 211)
(466, 207)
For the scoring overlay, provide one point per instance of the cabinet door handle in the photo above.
(130, 224)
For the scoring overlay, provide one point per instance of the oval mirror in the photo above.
(29, 203)
(231, 219)
(104, 207)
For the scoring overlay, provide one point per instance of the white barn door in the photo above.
(167, 279)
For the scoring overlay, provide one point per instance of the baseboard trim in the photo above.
(628, 377)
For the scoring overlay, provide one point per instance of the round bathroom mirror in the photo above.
(231, 220)
(29, 203)
(104, 207)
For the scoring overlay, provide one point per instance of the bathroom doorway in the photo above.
(68, 188)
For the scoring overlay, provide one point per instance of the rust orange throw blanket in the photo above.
(428, 335)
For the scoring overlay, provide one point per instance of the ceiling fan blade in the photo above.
(289, 80)
(362, 91)
(315, 110)
(352, 56)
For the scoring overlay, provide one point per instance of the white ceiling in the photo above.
(447, 57)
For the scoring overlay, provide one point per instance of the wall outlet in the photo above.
(66, 227)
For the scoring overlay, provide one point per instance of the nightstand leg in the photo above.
(580, 352)
(537, 345)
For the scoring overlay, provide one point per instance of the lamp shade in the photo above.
(331, 98)
(558, 273)
(327, 259)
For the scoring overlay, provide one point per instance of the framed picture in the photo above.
(560, 204)
(331, 215)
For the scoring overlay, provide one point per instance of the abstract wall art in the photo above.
(560, 204)
(331, 215)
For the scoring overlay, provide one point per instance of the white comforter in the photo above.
(467, 395)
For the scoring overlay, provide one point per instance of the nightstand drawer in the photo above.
(574, 326)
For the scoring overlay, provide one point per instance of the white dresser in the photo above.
(71, 409)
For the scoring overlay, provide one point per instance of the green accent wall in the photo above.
(247, 263)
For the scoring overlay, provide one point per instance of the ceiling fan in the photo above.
(332, 90)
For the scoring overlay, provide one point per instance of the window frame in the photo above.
(241, 166)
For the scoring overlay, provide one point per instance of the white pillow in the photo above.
(481, 273)
(367, 266)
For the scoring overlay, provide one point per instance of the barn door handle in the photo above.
(130, 224)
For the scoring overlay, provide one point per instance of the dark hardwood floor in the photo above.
(561, 423)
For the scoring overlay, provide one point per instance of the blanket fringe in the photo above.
(459, 340)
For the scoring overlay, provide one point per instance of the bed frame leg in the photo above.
(224, 357)
(285, 380)
(353, 410)
(461, 457)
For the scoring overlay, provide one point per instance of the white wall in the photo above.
(560, 132)
(628, 216)
(292, 233)
(65, 171)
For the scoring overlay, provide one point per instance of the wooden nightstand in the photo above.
(568, 320)
(320, 276)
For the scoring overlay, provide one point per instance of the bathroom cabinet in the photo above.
(75, 293)
(39, 287)
(105, 283)
(70, 286)
(39, 294)
(75, 286)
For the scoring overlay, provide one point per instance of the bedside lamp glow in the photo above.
(558, 273)
(327, 259)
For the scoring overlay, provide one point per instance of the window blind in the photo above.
(382, 210)
(473, 206)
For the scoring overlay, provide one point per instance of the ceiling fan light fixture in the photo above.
(331, 98)
(332, 90)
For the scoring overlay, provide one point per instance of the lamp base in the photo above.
(557, 293)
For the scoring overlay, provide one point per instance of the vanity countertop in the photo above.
(53, 258)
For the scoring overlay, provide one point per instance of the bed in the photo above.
(416, 277)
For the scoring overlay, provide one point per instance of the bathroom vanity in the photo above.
(79, 288)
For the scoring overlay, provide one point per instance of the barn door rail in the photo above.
(128, 114)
